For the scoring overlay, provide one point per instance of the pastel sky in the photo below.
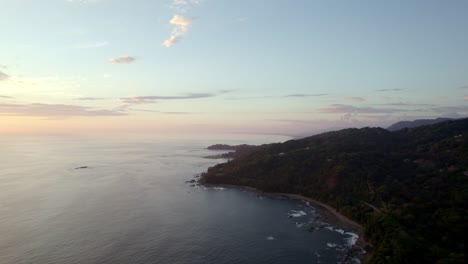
(215, 66)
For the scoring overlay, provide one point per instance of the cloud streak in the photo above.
(182, 6)
(54, 110)
(181, 28)
(276, 97)
(5, 97)
(444, 109)
(123, 60)
(154, 98)
(4, 76)
(128, 102)
(388, 90)
(401, 103)
(354, 99)
(303, 95)
(346, 109)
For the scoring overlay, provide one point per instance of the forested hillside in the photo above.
(417, 178)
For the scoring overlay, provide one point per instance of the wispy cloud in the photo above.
(451, 111)
(123, 60)
(54, 110)
(354, 99)
(251, 97)
(401, 103)
(464, 87)
(181, 23)
(152, 98)
(344, 109)
(162, 112)
(396, 103)
(5, 97)
(293, 121)
(303, 95)
(181, 27)
(388, 90)
(94, 45)
(182, 6)
(276, 97)
(128, 102)
(4, 76)
(224, 91)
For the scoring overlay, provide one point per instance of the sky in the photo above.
(225, 66)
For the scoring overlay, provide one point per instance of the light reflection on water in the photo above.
(132, 205)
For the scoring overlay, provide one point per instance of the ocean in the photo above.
(127, 200)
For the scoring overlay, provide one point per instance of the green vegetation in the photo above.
(229, 147)
(408, 188)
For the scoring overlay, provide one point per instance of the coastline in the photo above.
(344, 221)
(330, 214)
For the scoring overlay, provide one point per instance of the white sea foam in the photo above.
(341, 231)
(297, 213)
(270, 238)
(351, 240)
(219, 188)
(332, 245)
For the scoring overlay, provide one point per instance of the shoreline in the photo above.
(351, 224)
(329, 213)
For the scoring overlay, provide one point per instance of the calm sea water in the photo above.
(133, 205)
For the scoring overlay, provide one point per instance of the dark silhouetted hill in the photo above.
(416, 123)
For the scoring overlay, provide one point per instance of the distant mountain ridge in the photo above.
(416, 123)
(417, 179)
